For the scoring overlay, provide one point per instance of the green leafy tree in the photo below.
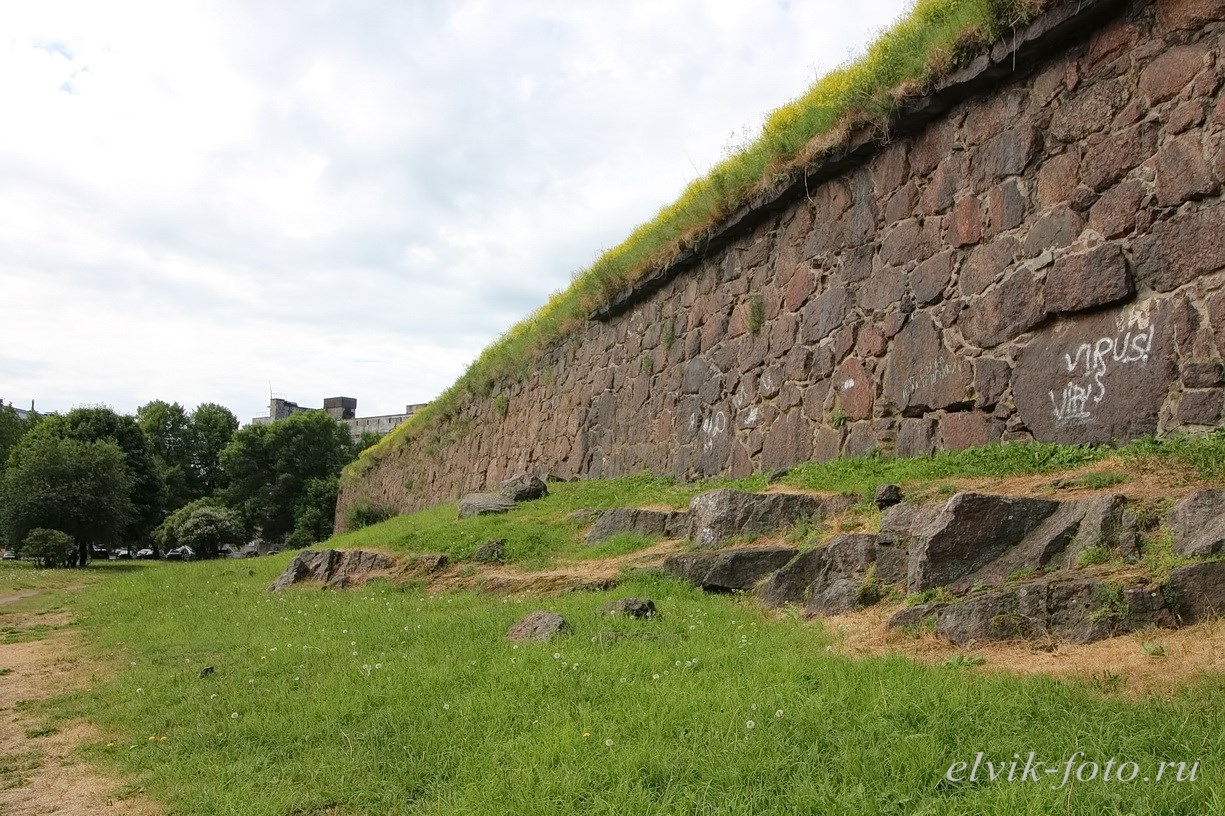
(269, 468)
(51, 548)
(207, 529)
(80, 488)
(167, 535)
(315, 512)
(167, 429)
(210, 430)
(147, 492)
(12, 428)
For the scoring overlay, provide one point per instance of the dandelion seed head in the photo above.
(608, 742)
(234, 715)
(750, 725)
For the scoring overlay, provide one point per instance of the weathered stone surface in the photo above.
(916, 437)
(1087, 279)
(887, 495)
(1197, 591)
(921, 374)
(523, 487)
(632, 607)
(491, 552)
(970, 530)
(825, 313)
(1114, 214)
(830, 579)
(1008, 309)
(1087, 110)
(729, 570)
(1203, 374)
(1097, 378)
(1177, 251)
(722, 514)
(538, 627)
(1198, 524)
(1182, 172)
(665, 523)
(335, 569)
(1201, 407)
(991, 377)
(855, 389)
(427, 562)
(1166, 75)
(1079, 610)
(1055, 230)
(986, 264)
(484, 504)
(969, 429)
(930, 278)
(1109, 158)
(1056, 542)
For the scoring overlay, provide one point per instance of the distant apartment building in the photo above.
(21, 412)
(343, 410)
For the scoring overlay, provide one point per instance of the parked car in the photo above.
(122, 554)
(183, 553)
(145, 553)
(9, 555)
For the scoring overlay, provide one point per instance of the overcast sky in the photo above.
(199, 201)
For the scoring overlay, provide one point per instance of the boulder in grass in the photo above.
(538, 627)
(484, 504)
(336, 569)
(491, 552)
(633, 607)
(1198, 524)
(523, 487)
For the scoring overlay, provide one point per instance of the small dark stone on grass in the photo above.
(539, 627)
(888, 495)
(206, 671)
(491, 552)
(633, 607)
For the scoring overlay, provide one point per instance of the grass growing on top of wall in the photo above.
(935, 37)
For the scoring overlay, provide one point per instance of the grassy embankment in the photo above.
(393, 700)
(935, 37)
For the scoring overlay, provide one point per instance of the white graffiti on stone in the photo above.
(927, 376)
(713, 426)
(1091, 362)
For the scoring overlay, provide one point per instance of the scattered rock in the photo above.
(888, 495)
(722, 514)
(777, 475)
(334, 568)
(729, 570)
(666, 523)
(483, 504)
(971, 530)
(523, 487)
(1198, 524)
(430, 562)
(1056, 542)
(1197, 591)
(538, 627)
(831, 579)
(206, 671)
(633, 607)
(1080, 610)
(491, 552)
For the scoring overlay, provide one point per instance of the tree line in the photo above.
(94, 479)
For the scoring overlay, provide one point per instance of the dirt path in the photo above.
(43, 773)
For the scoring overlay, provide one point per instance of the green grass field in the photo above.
(388, 700)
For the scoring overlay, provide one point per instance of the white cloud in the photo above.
(349, 198)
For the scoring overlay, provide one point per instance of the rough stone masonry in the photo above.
(1035, 251)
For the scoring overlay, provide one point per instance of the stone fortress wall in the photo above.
(1035, 251)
